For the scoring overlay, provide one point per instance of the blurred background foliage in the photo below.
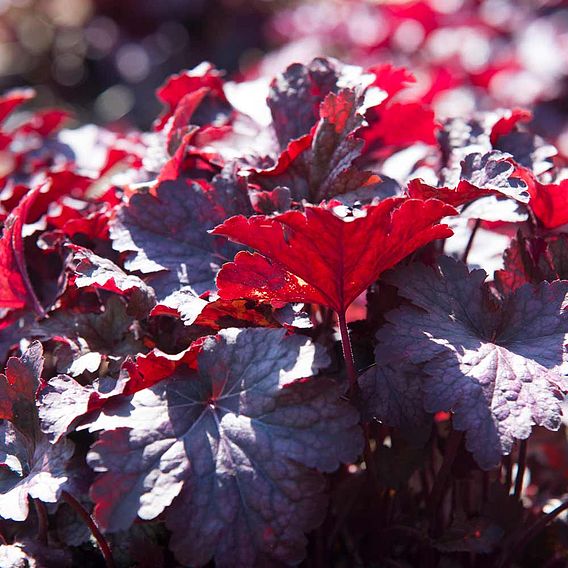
(105, 58)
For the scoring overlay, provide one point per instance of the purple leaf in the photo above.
(324, 165)
(61, 401)
(493, 171)
(295, 97)
(497, 365)
(393, 394)
(88, 339)
(94, 270)
(235, 444)
(29, 465)
(163, 230)
(18, 387)
(30, 468)
(479, 535)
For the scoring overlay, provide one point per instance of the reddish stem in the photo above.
(89, 521)
(470, 240)
(441, 481)
(347, 351)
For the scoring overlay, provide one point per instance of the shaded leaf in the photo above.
(478, 535)
(86, 339)
(393, 394)
(18, 387)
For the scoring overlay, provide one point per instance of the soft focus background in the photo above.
(105, 58)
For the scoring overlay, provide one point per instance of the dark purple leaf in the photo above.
(62, 401)
(323, 167)
(30, 468)
(163, 231)
(18, 387)
(497, 365)
(478, 535)
(235, 444)
(393, 394)
(88, 339)
(295, 97)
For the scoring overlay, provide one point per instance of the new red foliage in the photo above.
(16, 291)
(549, 202)
(321, 257)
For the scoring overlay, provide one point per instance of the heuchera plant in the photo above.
(242, 344)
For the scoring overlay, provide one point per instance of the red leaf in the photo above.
(178, 86)
(399, 124)
(156, 365)
(15, 287)
(59, 184)
(464, 192)
(549, 203)
(287, 157)
(46, 122)
(13, 99)
(506, 124)
(391, 79)
(321, 258)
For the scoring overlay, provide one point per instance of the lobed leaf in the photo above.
(323, 258)
(498, 365)
(230, 448)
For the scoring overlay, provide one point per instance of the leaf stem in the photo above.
(521, 466)
(90, 522)
(42, 521)
(508, 465)
(470, 240)
(347, 351)
(440, 483)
